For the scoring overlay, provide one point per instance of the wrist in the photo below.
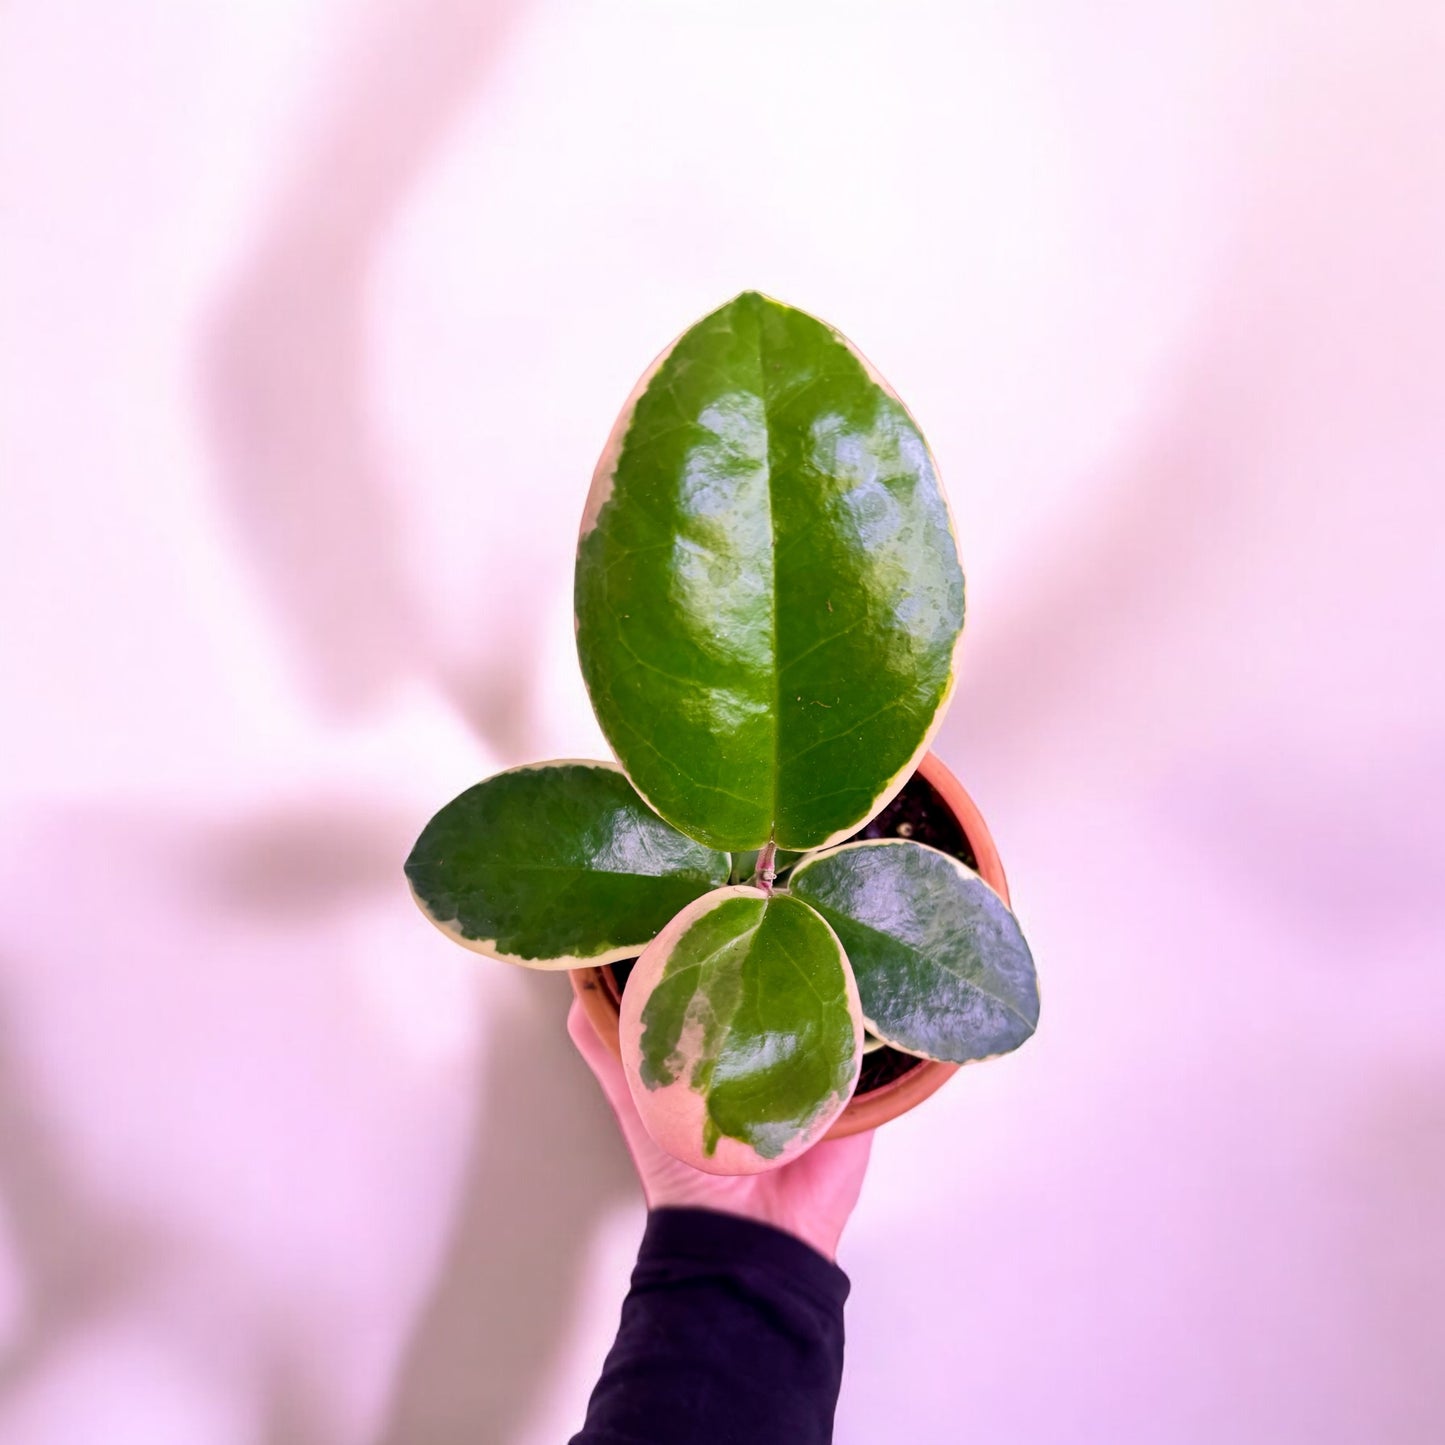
(710, 1234)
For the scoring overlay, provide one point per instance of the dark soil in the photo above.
(917, 812)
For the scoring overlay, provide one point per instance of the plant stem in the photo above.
(766, 871)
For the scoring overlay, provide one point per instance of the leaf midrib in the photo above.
(708, 958)
(586, 868)
(755, 308)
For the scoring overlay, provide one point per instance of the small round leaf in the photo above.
(556, 866)
(942, 967)
(741, 1033)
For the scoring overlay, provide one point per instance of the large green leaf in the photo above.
(942, 967)
(555, 866)
(740, 1030)
(768, 589)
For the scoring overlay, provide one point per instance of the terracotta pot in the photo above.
(601, 998)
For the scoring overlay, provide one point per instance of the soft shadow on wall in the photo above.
(543, 1163)
(299, 457)
(1232, 650)
(547, 1166)
(77, 1258)
(301, 467)
(305, 477)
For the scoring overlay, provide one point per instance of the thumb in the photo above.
(609, 1074)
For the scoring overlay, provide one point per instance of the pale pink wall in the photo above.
(314, 319)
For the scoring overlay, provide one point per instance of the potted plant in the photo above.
(768, 606)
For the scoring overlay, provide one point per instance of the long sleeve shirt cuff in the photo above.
(732, 1331)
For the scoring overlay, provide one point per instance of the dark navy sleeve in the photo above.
(732, 1332)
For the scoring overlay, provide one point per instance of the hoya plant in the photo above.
(769, 603)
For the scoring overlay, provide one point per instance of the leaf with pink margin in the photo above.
(741, 1031)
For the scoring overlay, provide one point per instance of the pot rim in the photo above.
(596, 988)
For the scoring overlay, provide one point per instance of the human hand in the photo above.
(810, 1198)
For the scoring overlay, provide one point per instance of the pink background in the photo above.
(315, 317)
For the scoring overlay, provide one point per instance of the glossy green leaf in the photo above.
(556, 866)
(741, 1034)
(768, 589)
(942, 967)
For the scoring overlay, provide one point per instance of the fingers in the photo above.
(831, 1173)
(851, 1153)
(605, 1069)
(579, 1027)
(831, 1180)
(839, 1163)
(856, 1153)
(834, 1170)
(599, 1059)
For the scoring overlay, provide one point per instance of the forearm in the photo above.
(732, 1331)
